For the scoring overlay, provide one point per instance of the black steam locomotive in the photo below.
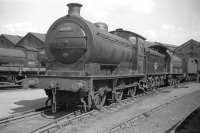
(15, 66)
(89, 66)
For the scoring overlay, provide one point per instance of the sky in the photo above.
(167, 21)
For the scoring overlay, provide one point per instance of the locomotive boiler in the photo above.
(12, 56)
(91, 67)
(15, 66)
(74, 41)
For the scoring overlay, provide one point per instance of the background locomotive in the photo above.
(89, 66)
(15, 66)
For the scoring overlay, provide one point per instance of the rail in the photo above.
(22, 115)
(65, 121)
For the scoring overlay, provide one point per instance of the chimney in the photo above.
(74, 9)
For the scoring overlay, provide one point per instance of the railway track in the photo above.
(7, 85)
(130, 122)
(74, 117)
(22, 115)
(37, 120)
(34, 121)
(62, 122)
(66, 121)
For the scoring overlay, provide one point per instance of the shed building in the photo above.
(190, 54)
(9, 41)
(34, 45)
(34, 40)
(170, 47)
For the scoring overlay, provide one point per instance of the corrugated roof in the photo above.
(191, 41)
(13, 38)
(169, 46)
(155, 52)
(40, 36)
(129, 32)
(148, 44)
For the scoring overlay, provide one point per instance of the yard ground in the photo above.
(157, 113)
(15, 101)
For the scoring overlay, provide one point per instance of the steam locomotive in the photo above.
(15, 66)
(91, 67)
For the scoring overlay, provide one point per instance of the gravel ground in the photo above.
(15, 101)
(156, 122)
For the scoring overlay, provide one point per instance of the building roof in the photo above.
(148, 44)
(169, 46)
(40, 36)
(129, 32)
(12, 38)
(161, 47)
(191, 41)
